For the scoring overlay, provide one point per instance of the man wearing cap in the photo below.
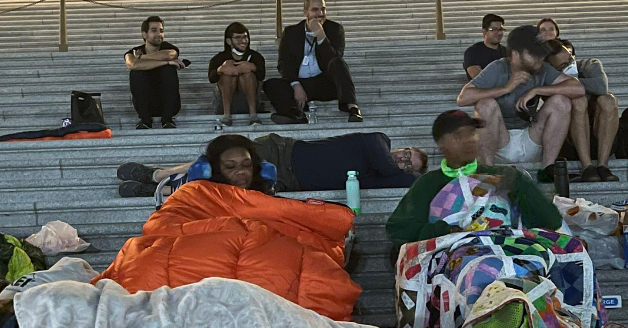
(457, 137)
(505, 95)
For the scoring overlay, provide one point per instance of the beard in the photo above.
(155, 41)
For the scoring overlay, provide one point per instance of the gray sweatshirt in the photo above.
(592, 76)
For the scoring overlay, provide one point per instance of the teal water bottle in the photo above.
(353, 192)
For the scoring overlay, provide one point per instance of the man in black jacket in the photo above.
(311, 66)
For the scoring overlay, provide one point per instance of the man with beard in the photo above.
(238, 70)
(311, 66)
(505, 95)
(153, 78)
(485, 52)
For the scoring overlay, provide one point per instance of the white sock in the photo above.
(154, 178)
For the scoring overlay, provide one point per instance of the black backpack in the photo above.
(622, 136)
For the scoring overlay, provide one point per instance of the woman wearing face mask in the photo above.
(548, 28)
(238, 71)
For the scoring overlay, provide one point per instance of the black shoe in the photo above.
(605, 174)
(589, 174)
(136, 172)
(355, 115)
(226, 121)
(136, 189)
(168, 125)
(143, 125)
(546, 175)
(281, 119)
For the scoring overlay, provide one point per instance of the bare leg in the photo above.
(248, 84)
(161, 174)
(227, 86)
(494, 135)
(551, 127)
(579, 130)
(605, 126)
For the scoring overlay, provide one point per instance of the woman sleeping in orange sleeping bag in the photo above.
(207, 229)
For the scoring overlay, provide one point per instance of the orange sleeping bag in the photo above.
(205, 229)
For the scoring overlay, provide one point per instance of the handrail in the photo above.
(63, 28)
(278, 20)
(440, 26)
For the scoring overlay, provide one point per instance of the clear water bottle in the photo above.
(353, 192)
(561, 177)
(218, 126)
(312, 118)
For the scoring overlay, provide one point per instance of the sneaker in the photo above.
(589, 174)
(281, 119)
(136, 189)
(136, 172)
(255, 121)
(355, 115)
(605, 174)
(168, 125)
(143, 125)
(226, 120)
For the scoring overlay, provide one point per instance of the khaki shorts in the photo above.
(520, 149)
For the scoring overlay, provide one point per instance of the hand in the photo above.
(228, 68)
(516, 79)
(523, 101)
(178, 63)
(244, 67)
(300, 96)
(315, 26)
(137, 53)
(454, 229)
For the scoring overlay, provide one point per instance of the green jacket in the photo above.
(409, 222)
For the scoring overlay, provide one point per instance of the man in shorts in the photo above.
(505, 95)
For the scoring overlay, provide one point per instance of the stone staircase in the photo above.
(403, 79)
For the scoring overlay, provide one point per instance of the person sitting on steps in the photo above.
(594, 117)
(311, 66)
(153, 77)
(238, 71)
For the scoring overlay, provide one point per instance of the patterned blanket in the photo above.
(543, 278)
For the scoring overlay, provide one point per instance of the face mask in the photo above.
(572, 69)
(235, 51)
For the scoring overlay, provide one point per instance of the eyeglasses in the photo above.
(240, 37)
(406, 160)
(494, 29)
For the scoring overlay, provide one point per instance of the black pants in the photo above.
(335, 83)
(156, 93)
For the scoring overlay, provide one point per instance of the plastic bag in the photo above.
(57, 237)
(605, 251)
(587, 215)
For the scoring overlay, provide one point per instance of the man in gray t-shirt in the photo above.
(503, 92)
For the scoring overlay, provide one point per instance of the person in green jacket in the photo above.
(457, 138)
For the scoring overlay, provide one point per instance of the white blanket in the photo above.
(212, 302)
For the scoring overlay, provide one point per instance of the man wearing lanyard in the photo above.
(311, 66)
(457, 138)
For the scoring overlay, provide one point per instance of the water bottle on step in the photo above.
(312, 118)
(353, 192)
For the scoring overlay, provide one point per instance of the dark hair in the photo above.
(526, 38)
(568, 44)
(489, 18)
(228, 141)
(150, 19)
(548, 19)
(234, 28)
(555, 46)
